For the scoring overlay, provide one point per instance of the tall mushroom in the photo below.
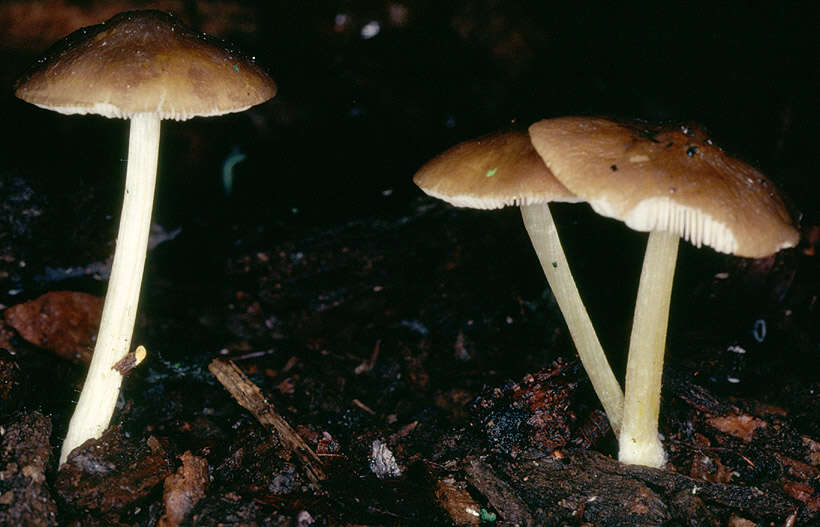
(144, 66)
(674, 183)
(503, 169)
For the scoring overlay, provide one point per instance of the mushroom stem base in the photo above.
(639, 443)
(544, 236)
(102, 384)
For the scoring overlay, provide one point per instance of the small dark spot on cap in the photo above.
(613, 168)
(647, 133)
(555, 265)
(670, 143)
(691, 151)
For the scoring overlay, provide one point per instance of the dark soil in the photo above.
(389, 352)
(414, 348)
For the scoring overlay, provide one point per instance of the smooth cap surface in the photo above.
(491, 172)
(669, 179)
(144, 62)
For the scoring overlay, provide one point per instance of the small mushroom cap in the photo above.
(491, 172)
(668, 179)
(144, 62)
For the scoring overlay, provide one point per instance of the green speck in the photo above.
(491, 172)
(487, 516)
(236, 68)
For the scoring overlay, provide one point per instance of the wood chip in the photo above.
(184, 489)
(453, 497)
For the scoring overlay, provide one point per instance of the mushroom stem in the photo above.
(101, 389)
(544, 237)
(639, 443)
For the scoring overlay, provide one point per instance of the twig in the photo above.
(249, 397)
(364, 407)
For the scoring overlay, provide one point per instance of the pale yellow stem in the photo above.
(639, 443)
(544, 237)
(102, 384)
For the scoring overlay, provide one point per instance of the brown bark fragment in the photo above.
(499, 493)
(112, 472)
(457, 502)
(184, 489)
(737, 521)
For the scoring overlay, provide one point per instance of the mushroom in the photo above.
(674, 183)
(144, 66)
(503, 169)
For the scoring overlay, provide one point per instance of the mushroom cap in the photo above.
(668, 179)
(144, 62)
(491, 172)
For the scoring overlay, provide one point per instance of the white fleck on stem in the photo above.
(102, 384)
(639, 443)
(544, 237)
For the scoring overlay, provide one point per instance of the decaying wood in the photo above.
(457, 502)
(184, 489)
(105, 476)
(498, 492)
(589, 486)
(250, 397)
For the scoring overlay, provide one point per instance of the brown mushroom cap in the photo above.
(144, 62)
(491, 172)
(668, 179)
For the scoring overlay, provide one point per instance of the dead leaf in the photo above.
(742, 426)
(65, 322)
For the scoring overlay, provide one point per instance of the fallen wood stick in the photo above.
(250, 397)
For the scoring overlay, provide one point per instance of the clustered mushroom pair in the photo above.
(146, 66)
(672, 182)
